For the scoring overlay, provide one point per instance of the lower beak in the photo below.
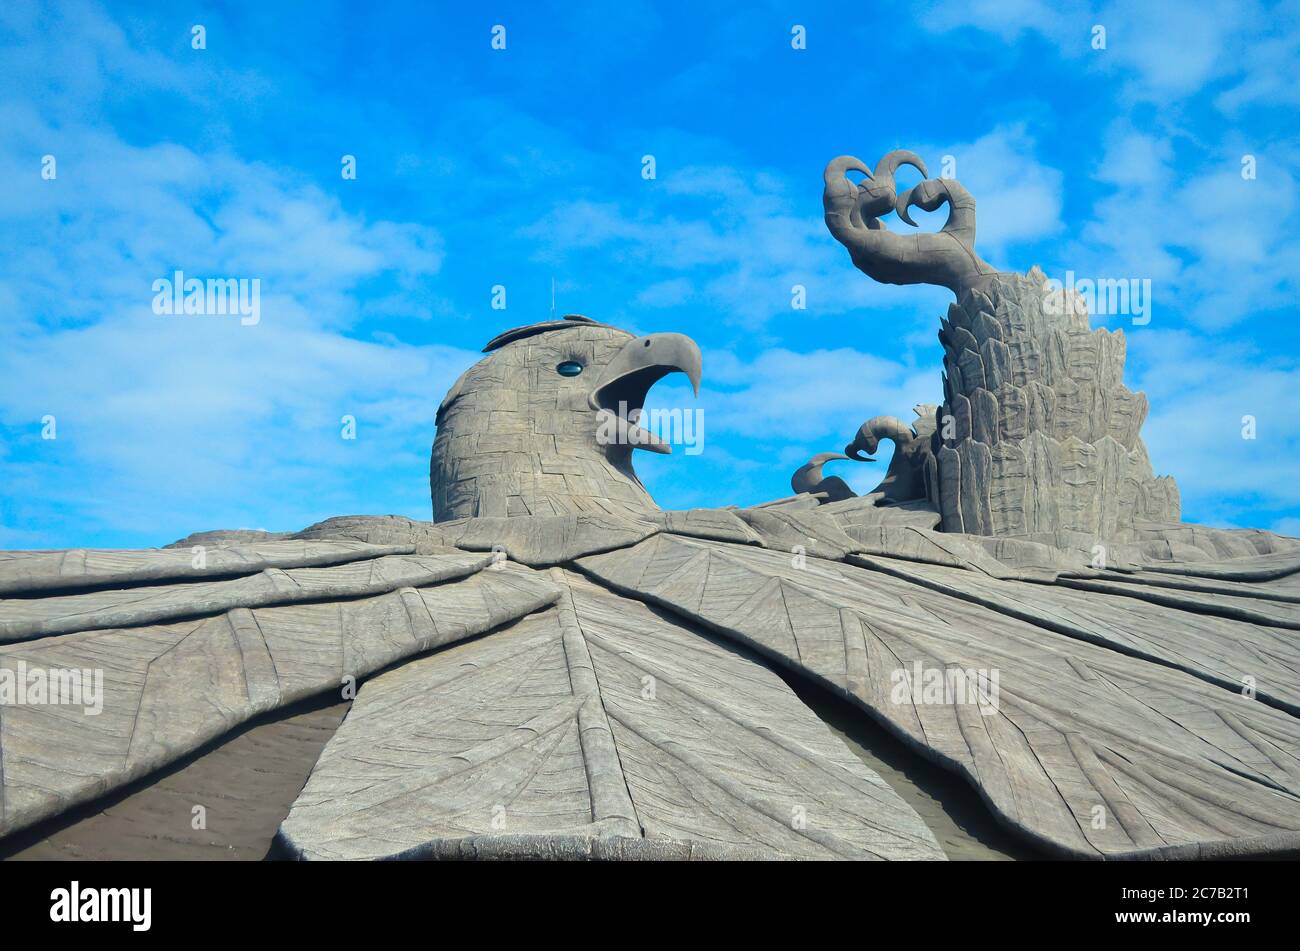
(622, 386)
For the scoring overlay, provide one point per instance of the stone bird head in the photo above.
(545, 424)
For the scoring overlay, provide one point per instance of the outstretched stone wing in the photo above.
(1117, 727)
(118, 663)
(600, 728)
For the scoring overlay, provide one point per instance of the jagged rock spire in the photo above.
(1037, 434)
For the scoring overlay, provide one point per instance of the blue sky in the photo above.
(478, 167)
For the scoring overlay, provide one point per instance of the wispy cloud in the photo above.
(161, 417)
(770, 413)
(1159, 49)
(1019, 197)
(1221, 423)
(1217, 245)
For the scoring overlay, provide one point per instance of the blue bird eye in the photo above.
(569, 368)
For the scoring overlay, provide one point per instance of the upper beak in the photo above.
(622, 386)
(856, 455)
(863, 440)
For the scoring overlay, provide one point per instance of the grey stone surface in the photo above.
(156, 603)
(1199, 636)
(246, 784)
(517, 437)
(30, 572)
(722, 525)
(912, 543)
(811, 531)
(906, 479)
(853, 214)
(228, 538)
(534, 540)
(598, 720)
(1037, 432)
(169, 688)
(1178, 764)
(625, 703)
(810, 478)
(1046, 436)
(866, 512)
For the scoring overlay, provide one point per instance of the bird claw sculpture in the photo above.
(808, 478)
(853, 212)
(905, 479)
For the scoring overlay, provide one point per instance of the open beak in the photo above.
(621, 388)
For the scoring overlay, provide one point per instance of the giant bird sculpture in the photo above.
(554, 667)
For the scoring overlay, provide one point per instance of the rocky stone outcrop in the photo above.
(1038, 432)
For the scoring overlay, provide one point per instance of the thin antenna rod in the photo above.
(552, 298)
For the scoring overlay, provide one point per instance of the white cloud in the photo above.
(1018, 197)
(1010, 19)
(783, 395)
(1132, 157)
(1218, 247)
(739, 241)
(1161, 50)
(772, 413)
(160, 418)
(1200, 392)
